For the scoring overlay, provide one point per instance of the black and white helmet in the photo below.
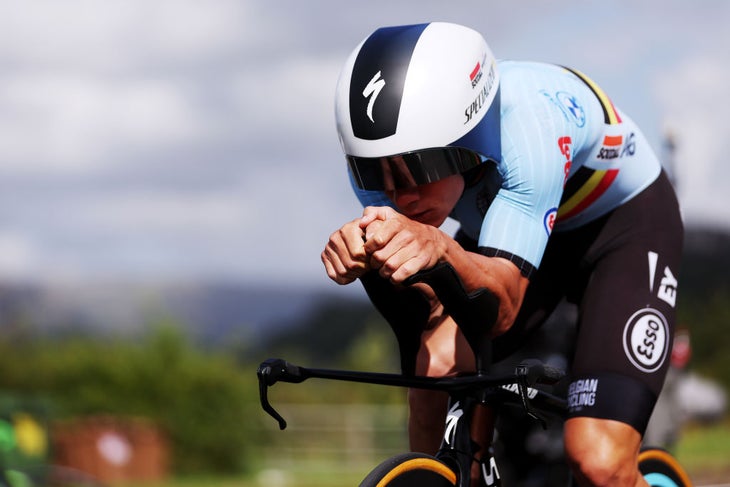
(417, 103)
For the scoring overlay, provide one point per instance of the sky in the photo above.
(194, 141)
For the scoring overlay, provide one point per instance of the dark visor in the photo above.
(411, 168)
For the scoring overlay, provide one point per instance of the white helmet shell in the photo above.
(409, 88)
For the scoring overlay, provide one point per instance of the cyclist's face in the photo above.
(429, 203)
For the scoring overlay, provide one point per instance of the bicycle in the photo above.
(468, 394)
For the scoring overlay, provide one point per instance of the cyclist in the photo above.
(558, 195)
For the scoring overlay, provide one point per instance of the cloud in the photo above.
(289, 100)
(696, 116)
(75, 122)
(17, 255)
(84, 80)
(188, 138)
(118, 35)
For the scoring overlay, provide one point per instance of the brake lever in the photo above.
(269, 373)
(263, 396)
(523, 381)
(530, 372)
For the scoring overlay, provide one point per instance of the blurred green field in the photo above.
(703, 450)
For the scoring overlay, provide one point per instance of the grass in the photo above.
(704, 451)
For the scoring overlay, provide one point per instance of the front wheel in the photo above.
(661, 469)
(411, 470)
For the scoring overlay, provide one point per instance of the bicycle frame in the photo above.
(466, 392)
(474, 313)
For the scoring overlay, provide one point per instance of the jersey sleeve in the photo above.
(536, 154)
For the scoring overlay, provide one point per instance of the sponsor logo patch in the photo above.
(477, 72)
(582, 394)
(549, 220)
(617, 146)
(482, 96)
(564, 144)
(646, 340)
(570, 106)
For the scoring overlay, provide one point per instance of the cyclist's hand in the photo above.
(398, 246)
(344, 256)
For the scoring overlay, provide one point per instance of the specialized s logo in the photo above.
(373, 88)
(646, 339)
(452, 421)
(491, 477)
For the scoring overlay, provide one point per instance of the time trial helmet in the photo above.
(417, 103)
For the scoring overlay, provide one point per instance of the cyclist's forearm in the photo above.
(499, 276)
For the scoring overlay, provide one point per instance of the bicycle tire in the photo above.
(409, 470)
(661, 469)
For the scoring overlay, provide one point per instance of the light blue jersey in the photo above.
(568, 157)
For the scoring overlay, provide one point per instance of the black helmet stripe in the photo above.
(378, 76)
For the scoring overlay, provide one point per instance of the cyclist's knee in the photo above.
(433, 364)
(602, 452)
(604, 471)
(443, 352)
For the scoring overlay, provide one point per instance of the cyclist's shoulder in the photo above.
(547, 92)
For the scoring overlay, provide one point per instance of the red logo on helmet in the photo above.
(476, 73)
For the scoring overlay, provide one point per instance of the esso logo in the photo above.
(646, 339)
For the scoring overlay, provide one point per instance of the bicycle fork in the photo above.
(467, 440)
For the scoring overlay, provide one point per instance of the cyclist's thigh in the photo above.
(627, 310)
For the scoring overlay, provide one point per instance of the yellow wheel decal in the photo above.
(419, 464)
(665, 457)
